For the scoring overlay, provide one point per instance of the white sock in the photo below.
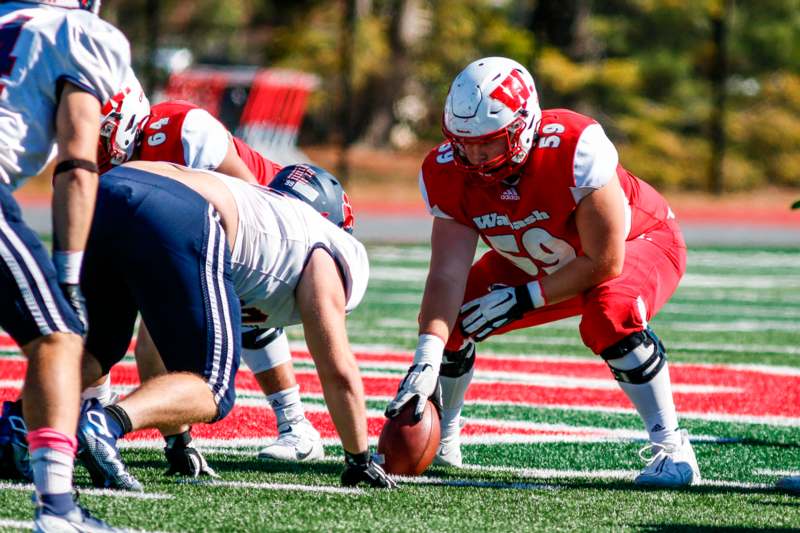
(453, 392)
(652, 400)
(287, 405)
(102, 392)
(52, 471)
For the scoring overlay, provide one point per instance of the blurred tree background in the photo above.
(697, 94)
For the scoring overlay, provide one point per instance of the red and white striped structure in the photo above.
(263, 107)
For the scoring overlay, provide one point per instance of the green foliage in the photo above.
(641, 67)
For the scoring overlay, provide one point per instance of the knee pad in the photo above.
(458, 363)
(263, 350)
(637, 358)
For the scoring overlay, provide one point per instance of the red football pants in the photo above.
(654, 264)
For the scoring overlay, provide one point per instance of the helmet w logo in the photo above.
(512, 91)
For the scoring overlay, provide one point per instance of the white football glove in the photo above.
(420, 384)
(501, 305)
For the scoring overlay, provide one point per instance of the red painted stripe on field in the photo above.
(757, 394)
(257, 422)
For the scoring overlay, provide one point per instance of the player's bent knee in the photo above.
(65, 344)
(91, 371)
(458, 363)
(637, 358)
(224, 404)
(264, 350)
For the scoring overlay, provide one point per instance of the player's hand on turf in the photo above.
(74, 296)
(184, 459)
(360, 468)
(420, 384)
(500, 306)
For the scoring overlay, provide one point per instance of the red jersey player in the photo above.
(183, 133)
(571, 232)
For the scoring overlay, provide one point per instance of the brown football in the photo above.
(408, 448)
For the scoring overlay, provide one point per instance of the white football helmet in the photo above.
(493, 98)
(121, 127)
(88, 5)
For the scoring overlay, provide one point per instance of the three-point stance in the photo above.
(182, 133)
(571, 232)
(198, 254)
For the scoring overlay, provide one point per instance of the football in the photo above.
(408, 447)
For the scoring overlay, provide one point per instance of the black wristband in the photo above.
(178, 441)
(524, 300)
(357, 459)
(70, 164)
(119, 414)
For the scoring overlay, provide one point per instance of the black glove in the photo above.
(74, 296)
(360, 468)
(184, 459)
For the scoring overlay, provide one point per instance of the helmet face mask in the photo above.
(492, 98)
(495, 168)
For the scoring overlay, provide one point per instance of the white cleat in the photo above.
(77, 520)
(789, 484)
(669, 466)
(297, 442)
(449, 453)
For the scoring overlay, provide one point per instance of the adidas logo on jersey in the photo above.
(510, 194)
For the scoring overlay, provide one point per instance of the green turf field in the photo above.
(551, 448)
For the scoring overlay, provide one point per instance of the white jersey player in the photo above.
(220, 252)
(59, 64)
(276, 235)
(182, 133)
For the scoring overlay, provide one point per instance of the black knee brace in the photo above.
(456, 364)
(644, 372)
(257, 338)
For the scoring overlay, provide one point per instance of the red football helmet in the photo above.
(494, 98)
(123, 119)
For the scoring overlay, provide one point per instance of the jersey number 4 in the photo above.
(9, 33)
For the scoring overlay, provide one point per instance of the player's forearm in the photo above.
(74, 198)
(578, 276)
(75, 180)
(344, 396)
(341, 386)
(440, 304)
(232, 165)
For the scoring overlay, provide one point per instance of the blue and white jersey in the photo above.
(40, 48)
(274, 239)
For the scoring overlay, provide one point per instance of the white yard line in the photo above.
(16, 524)
(28, 487)
(777, 473)
(28, 525)
(448, 482)
(734, 326)
(694, 279)
(547, 473)
(325, 489)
